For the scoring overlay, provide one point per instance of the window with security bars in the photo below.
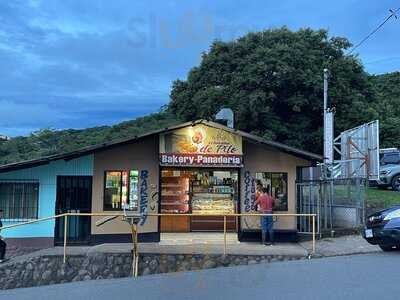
(19, 200)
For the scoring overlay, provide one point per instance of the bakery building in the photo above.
(199, 167)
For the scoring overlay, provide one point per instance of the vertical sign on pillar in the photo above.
(249, 201)
(144, 198)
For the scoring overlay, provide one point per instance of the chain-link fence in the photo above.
(338, 203)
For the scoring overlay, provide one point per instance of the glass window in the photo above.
(277, 183)
(19, 200)
(121, 189)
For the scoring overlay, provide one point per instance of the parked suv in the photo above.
(389, 171)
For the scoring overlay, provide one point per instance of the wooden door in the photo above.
(174, 224)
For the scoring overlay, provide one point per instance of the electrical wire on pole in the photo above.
(393, 13)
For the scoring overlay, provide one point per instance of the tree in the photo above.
(273, 82)
(387, 104)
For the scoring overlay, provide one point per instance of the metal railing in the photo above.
(134, 227)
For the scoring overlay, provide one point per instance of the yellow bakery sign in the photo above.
(200, 145)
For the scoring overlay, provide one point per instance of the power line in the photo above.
(392, 14)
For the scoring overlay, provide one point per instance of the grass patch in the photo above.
(383, 198)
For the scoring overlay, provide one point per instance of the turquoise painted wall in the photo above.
(46, 175)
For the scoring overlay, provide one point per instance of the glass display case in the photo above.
(213, 192)
(210, 203)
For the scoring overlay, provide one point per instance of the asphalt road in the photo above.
(368, 276)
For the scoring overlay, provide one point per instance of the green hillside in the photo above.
(47, 142)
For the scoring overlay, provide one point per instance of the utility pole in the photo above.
(325, 109)
(328, 130)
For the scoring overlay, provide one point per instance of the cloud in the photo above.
(13, 114)
(61, 73)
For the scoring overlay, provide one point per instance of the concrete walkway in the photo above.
(344, 245)
(206, 244)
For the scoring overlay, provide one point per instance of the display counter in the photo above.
(208, 203)
(212, 204)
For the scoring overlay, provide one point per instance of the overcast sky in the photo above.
(76, 64)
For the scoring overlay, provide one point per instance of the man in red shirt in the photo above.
(266, 203)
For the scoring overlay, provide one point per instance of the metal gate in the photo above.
(338, 203)
(74, 195)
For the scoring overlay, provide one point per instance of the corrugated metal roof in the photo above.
(92, 149)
